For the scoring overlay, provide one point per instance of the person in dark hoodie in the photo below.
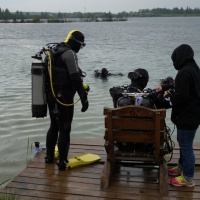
(67, 79)
(185, 114)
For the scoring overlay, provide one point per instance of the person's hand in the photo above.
(165, 94)
(168, 93)
(159, 88)
(86, 87)
(85, 104)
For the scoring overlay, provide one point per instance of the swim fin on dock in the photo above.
(80, 160)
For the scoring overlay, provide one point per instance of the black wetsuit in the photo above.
(67, 80)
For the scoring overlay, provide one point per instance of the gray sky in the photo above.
(113, 6)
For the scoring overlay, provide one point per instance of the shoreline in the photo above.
(94, 19)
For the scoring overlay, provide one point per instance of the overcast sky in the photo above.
(113, 6)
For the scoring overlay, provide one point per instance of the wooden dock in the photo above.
(40, 181)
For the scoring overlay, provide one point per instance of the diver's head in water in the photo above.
(104, 72)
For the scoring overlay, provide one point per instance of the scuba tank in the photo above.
(39, 101)
(39, 81)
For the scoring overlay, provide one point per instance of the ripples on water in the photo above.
(118, 46)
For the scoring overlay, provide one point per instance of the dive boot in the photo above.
(49, 159)
(62, 165)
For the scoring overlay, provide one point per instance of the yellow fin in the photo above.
(82, 159)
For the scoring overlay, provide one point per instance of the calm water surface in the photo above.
(118, 46)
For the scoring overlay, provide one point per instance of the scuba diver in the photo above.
(104, 73)
(139, 79)
(137, 94)
(67, 80)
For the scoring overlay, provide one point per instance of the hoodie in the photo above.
(186, 98)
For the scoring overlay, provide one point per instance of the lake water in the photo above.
(118, 46)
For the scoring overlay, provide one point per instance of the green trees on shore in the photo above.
(18, 16)
(170, 12)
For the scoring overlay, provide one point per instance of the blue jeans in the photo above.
(187, 158)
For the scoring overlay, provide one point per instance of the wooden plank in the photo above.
(129, 181)
(163, 179)
(87, 141)
(128, 110)
(105, 176)
(132, 136)
(133, 123)
(84, 186)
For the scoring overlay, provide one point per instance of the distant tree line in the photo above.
(17, 16)
(7, 15)
(170, 12)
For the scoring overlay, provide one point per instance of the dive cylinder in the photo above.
(39, 101)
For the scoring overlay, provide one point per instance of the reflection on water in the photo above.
(118, 46)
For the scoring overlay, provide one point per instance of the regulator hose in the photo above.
(51, 82)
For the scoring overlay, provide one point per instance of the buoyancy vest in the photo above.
(116, 92)
(60, 75)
